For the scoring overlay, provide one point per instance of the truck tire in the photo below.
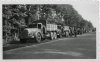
(38, 38)
(51, 35)
(55, 35)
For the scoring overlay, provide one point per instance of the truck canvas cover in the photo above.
(51, 27)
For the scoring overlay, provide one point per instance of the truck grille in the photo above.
(24, 34)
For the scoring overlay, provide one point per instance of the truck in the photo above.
(39, 30)
(63, 31)
(66, 31)
(59, 31)
(73, 31)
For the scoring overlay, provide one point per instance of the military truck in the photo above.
(39, 30)
(59, 31)
(63, 31)
(73, 31)
(66, 31)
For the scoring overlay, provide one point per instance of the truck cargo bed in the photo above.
(51, 27)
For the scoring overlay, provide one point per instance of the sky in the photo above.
(89, 9)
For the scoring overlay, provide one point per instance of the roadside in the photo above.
(17, 44)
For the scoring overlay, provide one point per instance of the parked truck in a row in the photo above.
(40, 29)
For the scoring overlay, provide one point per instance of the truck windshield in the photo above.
(32, 26)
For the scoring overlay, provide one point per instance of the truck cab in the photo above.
(33, 30)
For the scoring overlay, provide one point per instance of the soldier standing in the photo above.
(75, 32)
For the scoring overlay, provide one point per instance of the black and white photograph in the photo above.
(50, 30)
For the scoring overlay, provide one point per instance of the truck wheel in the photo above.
(55, 35)
(51, 36)
(38, 38)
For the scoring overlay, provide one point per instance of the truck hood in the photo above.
(32, 30)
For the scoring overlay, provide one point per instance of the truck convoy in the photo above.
(40, 29)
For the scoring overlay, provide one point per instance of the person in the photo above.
(75, 32)
(71, 32)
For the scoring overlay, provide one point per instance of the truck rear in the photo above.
(51, 31)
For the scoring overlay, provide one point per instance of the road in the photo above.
(82, 47)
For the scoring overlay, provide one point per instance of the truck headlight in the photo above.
(31, 35)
